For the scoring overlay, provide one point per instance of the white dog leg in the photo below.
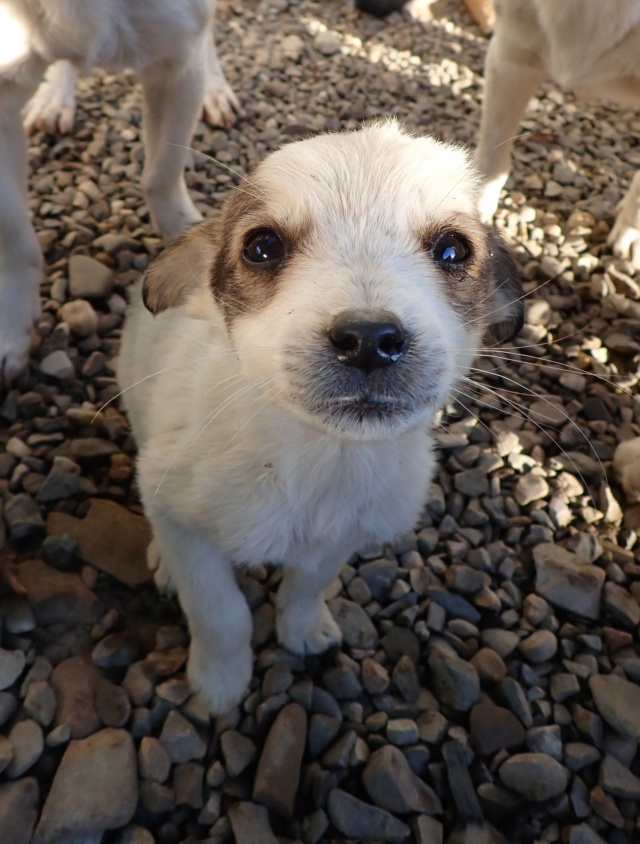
(625, 234)
(20, 257)
(220, 106)
(304, 623)
(220, 657)
(509, 85)
(53, 106)
(172, 101)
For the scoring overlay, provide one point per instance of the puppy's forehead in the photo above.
(378, 172)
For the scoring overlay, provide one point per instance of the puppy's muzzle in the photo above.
(367, 340)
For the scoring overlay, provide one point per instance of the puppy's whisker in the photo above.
(524, 411)
(551, 366)
(146, 378)
(210, 418)
(243, 178)
(466, 175)
(267, 396)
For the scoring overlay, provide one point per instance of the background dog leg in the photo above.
(625, 234)
(220, 106)
(509, 85)
(20, 256)
(172, 101)
(53, 106)
(220, 657)
(304, 622)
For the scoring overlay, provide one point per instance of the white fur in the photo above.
(234, 468)
(170, 44)
(587, 47)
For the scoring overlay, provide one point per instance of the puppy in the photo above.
(169, 44)
(287, 372)
(590, 48)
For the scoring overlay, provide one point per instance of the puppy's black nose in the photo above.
(367, 340)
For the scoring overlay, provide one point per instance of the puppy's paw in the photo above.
(220, 106)
(220, 683)
(158, 566)
(625, 240)
(304, 632)
(53, 106)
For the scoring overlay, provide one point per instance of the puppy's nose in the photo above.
(367, 340)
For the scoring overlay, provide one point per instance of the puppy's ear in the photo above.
(505, 306)
(181, 273)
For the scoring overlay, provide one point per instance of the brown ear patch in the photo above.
(181, 269)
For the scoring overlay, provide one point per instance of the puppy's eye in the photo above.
(263, 246)
(451, 250)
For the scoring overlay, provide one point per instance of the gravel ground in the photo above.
(488, 687)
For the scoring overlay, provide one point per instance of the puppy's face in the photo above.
(354, 277)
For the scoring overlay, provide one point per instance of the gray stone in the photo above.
(539, 647)
(617, 780)
(546, 739)
(180, 739)
(492, 728)
(188, 783)
(59, 551)
(472, 482)
(393, 786)
(11, 666)
(17, 616)
(402, 731)
(80, 316)
(19, 810)
(27, 743)
(23, 517)
(250, 824)
(153, 759)
(40, 702)
(88, 278)
(6, 752)
(565, 582)
(278, 775)
(585, 834)
(238, 752)
(530, 488)
(57, 365)
(74, 682)
(617, 702)
(112, 704)
(622, 606)
(322, 731)
(57, 597)
(327, 42)
(338, 756)
(379, 575)
(359, 820)
(455, 682)
(357, 629)
(535, 776)
(579, 755)
(85, 796)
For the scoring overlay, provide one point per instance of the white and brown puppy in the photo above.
(590, 48)
(289, 365)
(169, 43)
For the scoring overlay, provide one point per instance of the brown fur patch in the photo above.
(238, 286)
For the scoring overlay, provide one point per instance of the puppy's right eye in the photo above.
(264, 247)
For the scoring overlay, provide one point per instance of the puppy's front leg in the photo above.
(510, 81)
(53, 106)
(220, 657)
(304, 623)
(625, 234)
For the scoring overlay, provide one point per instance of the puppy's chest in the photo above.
(282, 510)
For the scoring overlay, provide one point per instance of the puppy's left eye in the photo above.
(451, 250)
(263, 246)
